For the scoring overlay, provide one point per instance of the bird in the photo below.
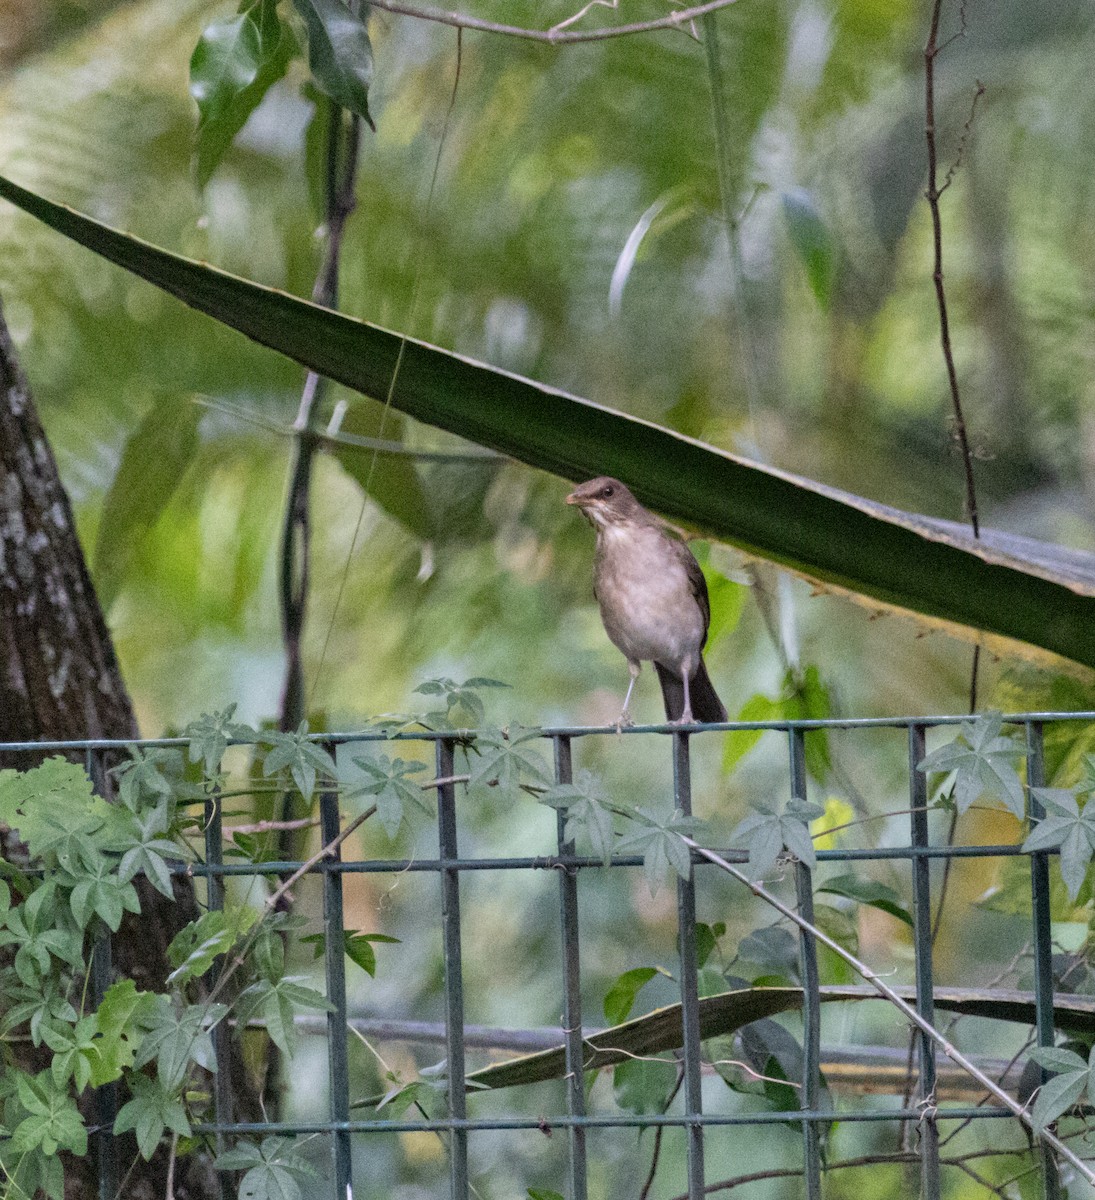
(653, 600)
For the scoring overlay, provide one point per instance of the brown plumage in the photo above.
(653, 599)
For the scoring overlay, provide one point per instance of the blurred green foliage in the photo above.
(817, 351)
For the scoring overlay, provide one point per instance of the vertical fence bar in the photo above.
(222, 1043)
(1043, 949)
(925, 999)
(690, 1003)
(106, 1097)
(811, 1007)
(572, 985)
(454, 979)
(338, 1069)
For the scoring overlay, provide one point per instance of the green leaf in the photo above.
(209, 737)
(1001, 584)
(1057, 1096)
(153, 462)
(300, 756)
(1069, 828)
(197, 946)
(812, 243)
(122, 1016)
(707, 939)
(867, 891)
(620, 997)
(543, 1194)
(588, 811)
(389, 781)
(54, 1122)
(643, 1086)
(391, 479)
(275, 1002)
(983, 762)
(153, 1109)
(506, 759)
(766, 833)
(339, 53)
(272, 1168)
(177, 1038)
(234, 64)
(359, 948)
(662, 842)
(740, 741)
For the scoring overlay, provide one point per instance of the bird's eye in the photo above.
(606, 492)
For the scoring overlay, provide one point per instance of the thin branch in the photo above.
(884, 989)
(557, 36)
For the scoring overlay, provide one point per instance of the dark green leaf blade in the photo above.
(1001, 584)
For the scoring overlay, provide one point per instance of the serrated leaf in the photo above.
(389, 782)
(507, 760)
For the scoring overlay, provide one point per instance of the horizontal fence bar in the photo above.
(551, 862)
(430, 735)
(562, 1121)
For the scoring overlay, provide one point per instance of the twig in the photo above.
(656, 1154)
(557, 36)
(270, 826)
(884, 989)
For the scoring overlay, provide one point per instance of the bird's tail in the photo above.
(706, 705)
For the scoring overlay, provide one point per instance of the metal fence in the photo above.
(343, 1123)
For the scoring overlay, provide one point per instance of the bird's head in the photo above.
(605, 501)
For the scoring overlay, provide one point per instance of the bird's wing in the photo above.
(695, 580)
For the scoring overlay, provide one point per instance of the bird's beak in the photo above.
(574, 498)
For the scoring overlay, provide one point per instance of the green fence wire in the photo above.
(344, 1124)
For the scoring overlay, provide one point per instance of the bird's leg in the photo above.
(625, 716)
(686, 715)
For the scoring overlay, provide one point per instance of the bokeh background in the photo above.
(526, 255)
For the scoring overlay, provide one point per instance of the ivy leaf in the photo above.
(340, 54)
(53, 809)
(302, 758)
(395, 792)
(149, 775)
(272, 1168)
(54, 1122)
(153, 1109)
(1068, 827)
(661, 842)
(144, 853)
(463, 705)
(275, 1002)
(209, 737)
(505, 759)
(176, 1038)
(105, 894)
(234, 65)
(983, 762)
(74, 1051)
(196, 946)
(766, 833)
(122, 1016)
(588, 811)
(1065, 1088)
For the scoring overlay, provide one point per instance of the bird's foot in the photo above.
(624, 722)
(686, 718)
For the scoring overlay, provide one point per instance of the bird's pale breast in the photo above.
(645, 595)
